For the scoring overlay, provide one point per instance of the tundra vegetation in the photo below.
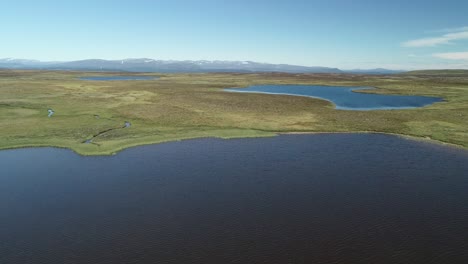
(90, 116)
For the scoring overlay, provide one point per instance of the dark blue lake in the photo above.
(118, 78)
(345, 98)
(328, 198)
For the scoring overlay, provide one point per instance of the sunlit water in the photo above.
(345, 98)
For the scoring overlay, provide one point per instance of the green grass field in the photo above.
(182, 106)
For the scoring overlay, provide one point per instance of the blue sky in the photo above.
(336, 33)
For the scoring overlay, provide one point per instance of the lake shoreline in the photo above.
(274, 134)
(409, 137)
(296, 195)
(347, 98)
(185, 106)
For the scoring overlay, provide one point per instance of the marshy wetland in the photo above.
(182, 106)
(118, 78)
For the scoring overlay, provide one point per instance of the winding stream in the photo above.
(90, 140)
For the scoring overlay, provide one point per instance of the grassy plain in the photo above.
(181, 106)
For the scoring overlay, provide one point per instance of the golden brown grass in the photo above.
(180, 106)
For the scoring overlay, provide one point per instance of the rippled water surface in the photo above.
(345, 98)
(329, 198)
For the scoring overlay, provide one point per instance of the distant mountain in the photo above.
(17, 63)
(12, 63)
(150, 65)
(374, 71)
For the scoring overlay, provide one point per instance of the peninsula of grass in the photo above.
(183, 106)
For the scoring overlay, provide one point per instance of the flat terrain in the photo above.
(181, 106)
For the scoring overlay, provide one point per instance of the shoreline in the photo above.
(186, 106)
(409, 137)
(117, 151)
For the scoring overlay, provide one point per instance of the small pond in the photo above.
(345, 98)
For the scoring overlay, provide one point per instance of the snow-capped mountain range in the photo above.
(151, 65)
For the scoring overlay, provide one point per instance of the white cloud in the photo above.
(434, 41)
(452, 55)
